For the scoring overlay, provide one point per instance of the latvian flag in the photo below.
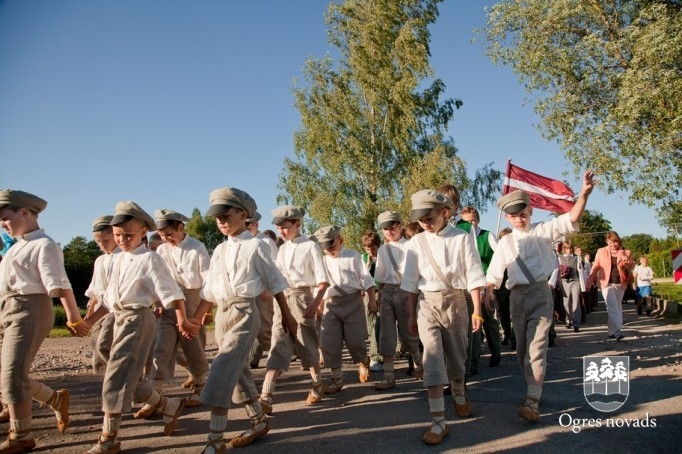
(545, 193)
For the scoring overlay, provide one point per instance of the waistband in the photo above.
(225, 304)
(395, 287)
(523, 287)
(445, 293)
(120, 308)
(349, 296)
(4, 296)
(298, 291)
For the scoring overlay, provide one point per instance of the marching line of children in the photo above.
(423, 283)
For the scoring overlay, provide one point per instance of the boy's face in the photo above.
(16, 223)
(578, 251)
(289, 229)
(172, 235)
(642, 261)
(470, 218)
(372, 251)
(128, 235)
(335, 248)
(252, 227)
(521, 219)
(393, 232)
(232, 222)
(105, 240)
(434, 221)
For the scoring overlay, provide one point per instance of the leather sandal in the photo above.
(265, 406)
(246, 438)
(62, 412)
(106, 444)
(147, 411)
(432, 438)
(334, 386)
(188, 383)
(363, 372)
(529, 410)
(169, 427)
(385, 384)
(463, 410)
(194, 400)
(218, 446)
(315, 394)
(10, 446)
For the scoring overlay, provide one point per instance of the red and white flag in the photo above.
(545, 193)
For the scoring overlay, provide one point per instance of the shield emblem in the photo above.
(606, 381)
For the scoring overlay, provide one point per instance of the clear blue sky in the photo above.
(161, 102)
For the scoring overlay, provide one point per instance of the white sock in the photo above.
(44, 394)
(111, 425)
(437, 408)
(535, 391)
(20, 428)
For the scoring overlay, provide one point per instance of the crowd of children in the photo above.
(146, 309)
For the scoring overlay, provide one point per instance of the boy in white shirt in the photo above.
(393, 300)
(301, 263)
(343, 313)
(442, 262)
(138, 279)
(529, 258)
(241, 270)
(31, 274)
(102, 332)
(187, 260)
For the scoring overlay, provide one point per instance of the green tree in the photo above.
(670, 217)
(592, 236)
(374, 122)
(606, 77)
(79, 261)
(638, 244)
(204, 229)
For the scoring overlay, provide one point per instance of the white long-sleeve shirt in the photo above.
(139, 279)
(535, 249)
(34, 265)
(188, 261)
(245, 265)
(347, 272)
(302, 263)
(455, 253)
(385, 272)
(101, 276)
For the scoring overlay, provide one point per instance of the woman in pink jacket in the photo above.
(613, 267)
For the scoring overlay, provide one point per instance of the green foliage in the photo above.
(606, 80)
(638, 244)
(374, 122)
(592, 236)
(668, 291)
(204, 229)
(60, 315)
(670, 217)
(79, 261)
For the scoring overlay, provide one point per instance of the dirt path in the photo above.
(359, 419)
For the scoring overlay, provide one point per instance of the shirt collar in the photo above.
(245, 235)
(33, 235)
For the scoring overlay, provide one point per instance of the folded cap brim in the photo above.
(415, 215)
(278, 221)
(120, 219)
(100, 227)
(515, 207)
(387, 224)
(162, 223)
(215, 210)
(326, 244)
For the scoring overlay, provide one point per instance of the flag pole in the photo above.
(499, 212)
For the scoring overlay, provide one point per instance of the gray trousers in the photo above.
(134, 331)
(307, 339)
(168, 339)
(230, 379)
(394, 314)
(25, 321)
(571, 294)
(102, 334)
(443, 324)
(343, 321)
(531, 313)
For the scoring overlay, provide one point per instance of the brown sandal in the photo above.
(432, 438)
